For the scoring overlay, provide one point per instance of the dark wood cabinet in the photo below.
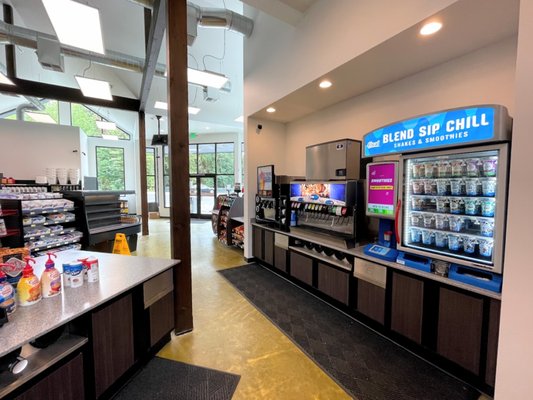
(460, 328)
(280, 258)
(302, 268)
(492, 341)
(161, 318)
(407, 306)
(257, 242)
(333, 282)
(268, 249)
(112, 338)
(371, 301)
(65, 383)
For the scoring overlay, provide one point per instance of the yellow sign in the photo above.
(121, 245)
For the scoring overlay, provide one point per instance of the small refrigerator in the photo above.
(453, 205)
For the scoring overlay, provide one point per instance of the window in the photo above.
(110, 168)
(85, 119)
(151, 174)
(48, 115)
(214, 159)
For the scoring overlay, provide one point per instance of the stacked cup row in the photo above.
(63, 176)
(452, 241)
(485, 227)
(469, 167)
(484, 207)
(455, 187)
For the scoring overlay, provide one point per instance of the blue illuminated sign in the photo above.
(448, 128)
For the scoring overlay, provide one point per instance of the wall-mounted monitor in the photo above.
(265, 180)
(381, 189)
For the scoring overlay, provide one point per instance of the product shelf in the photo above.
(50, 234)
(436, 213)
(10, 232)
(460, 233)
(49, 223)
(54, 245)
(46, 211)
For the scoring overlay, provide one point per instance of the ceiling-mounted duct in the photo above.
(210, 18)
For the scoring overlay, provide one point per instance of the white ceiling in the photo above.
(467, 25)
(122, 22)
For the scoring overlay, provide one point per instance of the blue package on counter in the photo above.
(481, 279)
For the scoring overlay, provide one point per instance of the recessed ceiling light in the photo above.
(76, 24)
(239, 119)
(161, 105)
(206, 78)
(5, 80)
(109, 137)
(106, 125)
(430, 28)
(39, 117)
(94, 88)
(207, 128)
(325, 84)
(271, 110)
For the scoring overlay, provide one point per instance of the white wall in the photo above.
(485, 76)
(279, 58)
(28, 148)
(263, 148)
(514, 376)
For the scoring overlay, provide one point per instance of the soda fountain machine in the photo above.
(331, 198)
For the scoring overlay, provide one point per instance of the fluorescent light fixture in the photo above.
(109, 137)
(206, 78)
(39, 117)
(5, 80)
(271, 110)
(106, 125)
(430, 28)
(161, 105)
(94, 88)
(239, 119)
(76, 24)
(325, 84)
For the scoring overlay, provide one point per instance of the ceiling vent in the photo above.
(49, 54)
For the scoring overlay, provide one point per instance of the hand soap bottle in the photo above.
(51, 278)
(28, 288)
(7, 294)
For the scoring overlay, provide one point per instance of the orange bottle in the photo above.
(28, 287)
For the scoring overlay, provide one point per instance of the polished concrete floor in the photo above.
(229, 333)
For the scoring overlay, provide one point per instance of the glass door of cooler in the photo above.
(454, 205)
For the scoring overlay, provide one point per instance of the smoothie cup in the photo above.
(485, 247)
(458, 168)
(457, 206)
(444, 169)
(442, 222)
(418, 187)
(443, 205)
(469, 244)
(454, 242)
(457, 187)
(441, 239)
(472, 207)
(418, 171)
(472, 187)
(430, 169)
(443, 187)
(429, 221)
(490, 166)
(427, 237)
(416, 235)
(430, 186)
(487, 228)
(456, 224)
(488, 206)
(472, 167)
(489, 187)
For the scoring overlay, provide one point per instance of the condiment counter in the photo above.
(112, 325)
(447, 322)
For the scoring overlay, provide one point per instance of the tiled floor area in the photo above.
(229, 333)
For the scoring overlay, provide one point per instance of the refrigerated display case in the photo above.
(453, 205)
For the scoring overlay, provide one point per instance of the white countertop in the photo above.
(117, 275)
(357, 251)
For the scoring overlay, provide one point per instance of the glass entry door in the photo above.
(202, 193)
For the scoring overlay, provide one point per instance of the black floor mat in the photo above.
(367, 365)
(164, 379)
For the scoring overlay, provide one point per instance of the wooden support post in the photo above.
(11, 67)
(142, 168)
(178, 121)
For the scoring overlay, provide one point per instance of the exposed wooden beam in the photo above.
(179, 161)
(142, 168)
(48, 91)
(11, 66)
(155, 39)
